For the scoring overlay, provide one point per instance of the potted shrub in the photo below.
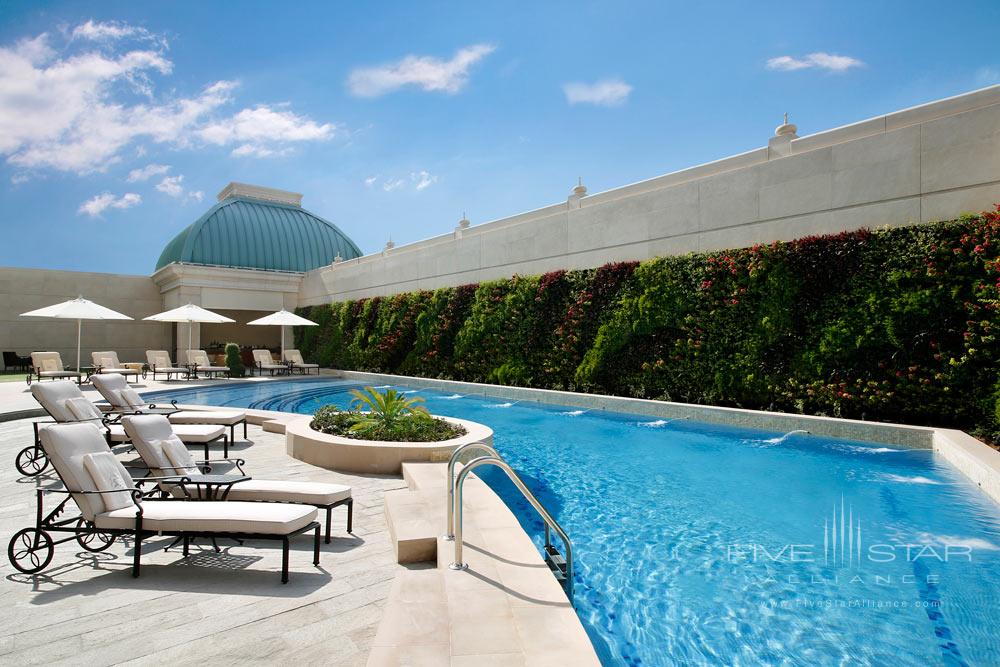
(234, 361)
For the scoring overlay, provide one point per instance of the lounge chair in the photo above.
(159, 362)
(64, 402)
(202, 366)
(294, 357)
(107, 362)
(164, 455)
(124, 399)
(263, 360)
(49, 365)
(112, 506)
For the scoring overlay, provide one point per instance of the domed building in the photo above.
(259, 228)
(244, 258)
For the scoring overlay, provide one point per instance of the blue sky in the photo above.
(119, 122)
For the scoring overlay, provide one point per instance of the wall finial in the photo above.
(786, 129)
(580, 189)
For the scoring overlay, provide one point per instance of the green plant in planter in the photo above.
(385, 410)
(234, 361)
(388, 416)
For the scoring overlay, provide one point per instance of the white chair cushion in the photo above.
(131, 398)
(199, 432)
(309, 493)
(109, 475)
(212, 517)
(181, 461)
(50, 365)
(82, 409)
(226, 417)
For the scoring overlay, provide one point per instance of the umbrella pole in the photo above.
(79, 326)
(282, 343)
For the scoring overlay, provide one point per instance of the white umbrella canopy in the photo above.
(283, 319)
(189, 313)
(78, 309)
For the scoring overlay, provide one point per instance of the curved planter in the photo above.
(370, 456)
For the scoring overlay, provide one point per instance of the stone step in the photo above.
(415, 520)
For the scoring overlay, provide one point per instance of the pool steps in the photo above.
(506, 608)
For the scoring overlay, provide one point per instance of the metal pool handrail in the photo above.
(469, 446)
(550, 522)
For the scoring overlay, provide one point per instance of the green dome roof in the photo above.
(250, 233)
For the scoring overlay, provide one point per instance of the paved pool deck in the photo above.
(216, 608)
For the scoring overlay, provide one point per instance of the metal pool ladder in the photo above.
(562, 568)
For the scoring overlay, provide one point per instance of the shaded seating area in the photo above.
(164, 454)
(111, 505)
(295, 361)
(49, 366)
(199, 362)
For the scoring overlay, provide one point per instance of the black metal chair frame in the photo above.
(37, 538)
(36, 374)
(174, 371)
(12, 360)
(283, 370)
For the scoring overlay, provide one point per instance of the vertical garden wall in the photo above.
(894, 324)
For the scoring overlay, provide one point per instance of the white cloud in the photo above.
(171, 185)
(196, 195)
(72, 111)
(99, 203)
(422, 179)
(257, 130)
(819, 59)
(605, 93)
(109, 31)
(370, 181)
(425, 72)
(147, 172)
(393, 184)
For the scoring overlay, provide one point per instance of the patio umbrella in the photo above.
(283, 319)
(78, 309)
(190, 314)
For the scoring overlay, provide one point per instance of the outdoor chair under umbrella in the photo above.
(283, 319)
(190, 314)
(78, 309)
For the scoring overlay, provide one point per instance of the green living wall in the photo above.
(894, 324)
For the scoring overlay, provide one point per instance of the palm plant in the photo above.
(384, 410)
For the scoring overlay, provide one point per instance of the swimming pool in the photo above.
(698, 543)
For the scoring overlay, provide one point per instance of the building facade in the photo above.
(257, 250)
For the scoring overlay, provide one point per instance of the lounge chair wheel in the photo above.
(30, 550)
(92, 539)
(31, 461)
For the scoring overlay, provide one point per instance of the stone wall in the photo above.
(22, 290)
(926, 163)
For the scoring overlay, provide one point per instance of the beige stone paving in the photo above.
(228, 608)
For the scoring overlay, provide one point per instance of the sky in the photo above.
(121, 121)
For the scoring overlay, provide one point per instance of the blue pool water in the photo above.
(701, 544)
